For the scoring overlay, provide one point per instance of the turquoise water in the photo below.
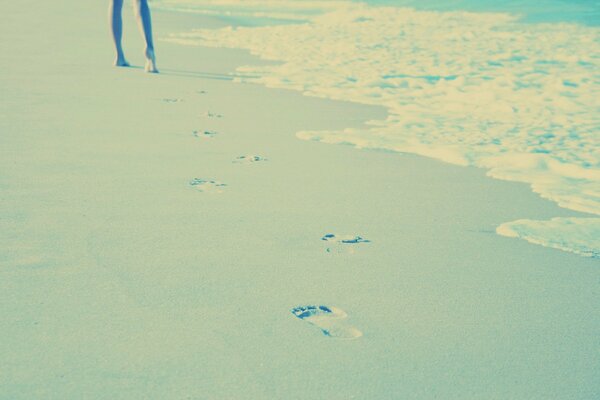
(580, 11)
(584, 12)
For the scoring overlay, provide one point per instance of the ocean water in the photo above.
(578, 11)
(512, 87)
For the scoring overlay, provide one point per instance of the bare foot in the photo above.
(121, 61)
(151, 62)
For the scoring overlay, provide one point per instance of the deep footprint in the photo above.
(207, 186)
(204, 134)
(343, 243)
(248, 159)
(331, 321)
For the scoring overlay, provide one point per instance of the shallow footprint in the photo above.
(213, 115)
(343, 243)
(248, 159)
(331, 321)
(207, 186)
(172, 100)
(204, 134)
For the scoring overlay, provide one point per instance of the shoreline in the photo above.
(121, 280)
(478, 109)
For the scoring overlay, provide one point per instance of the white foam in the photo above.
(475, 89)
(576, 235)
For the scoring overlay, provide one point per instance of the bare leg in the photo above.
(116, 25)
(142, 12)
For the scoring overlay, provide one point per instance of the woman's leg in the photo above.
(116, 25)
(145, 21)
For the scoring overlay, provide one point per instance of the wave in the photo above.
(479, 89)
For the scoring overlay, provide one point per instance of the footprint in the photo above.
(201, 91)
(248, 159)
(172, 100)
(331, 321)
(213, 115)
(204, 134)
(343, 243)
(346, 239)
(207, 186)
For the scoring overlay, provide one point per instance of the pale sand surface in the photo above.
(120, 281)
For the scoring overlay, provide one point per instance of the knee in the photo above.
(140, 5)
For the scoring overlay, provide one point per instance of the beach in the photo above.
(158, 232)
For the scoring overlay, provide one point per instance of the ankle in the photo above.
(150, 53)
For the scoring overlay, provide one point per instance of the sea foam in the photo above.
(479, 89)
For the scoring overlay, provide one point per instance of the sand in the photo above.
(120, 280)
